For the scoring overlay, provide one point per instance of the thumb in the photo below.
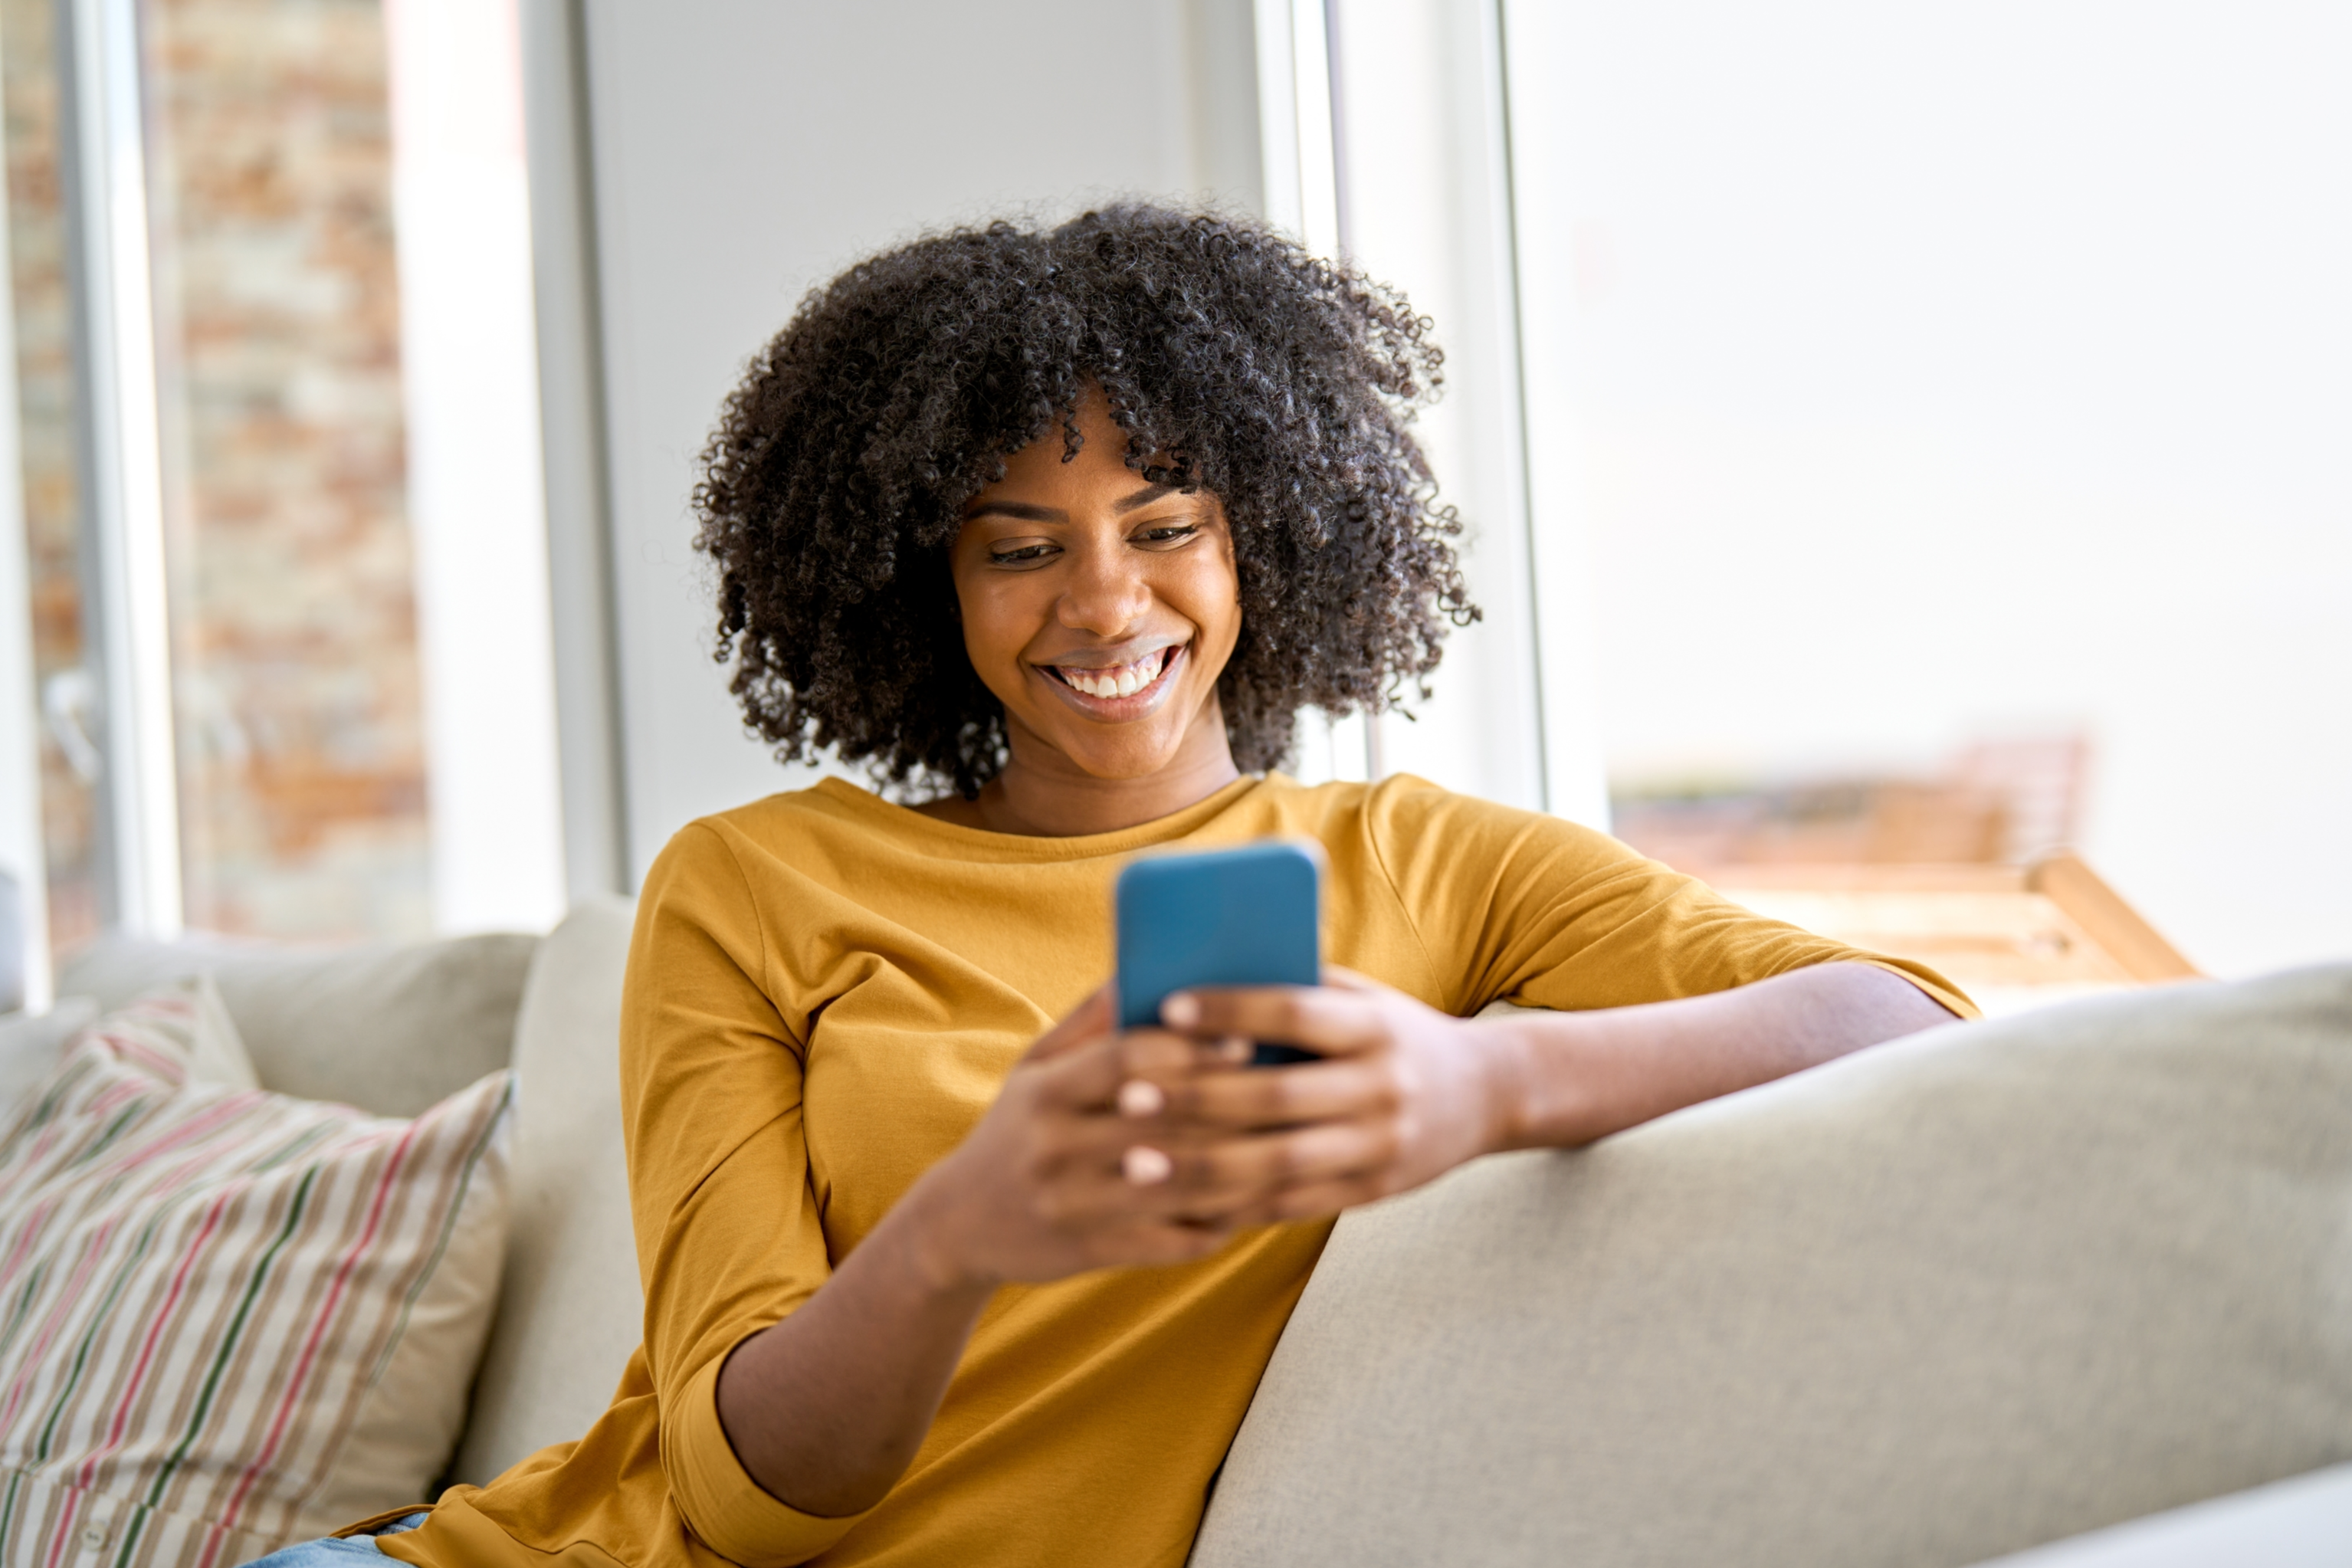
(1091, 1019)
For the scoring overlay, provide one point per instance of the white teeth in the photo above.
(1124, 680)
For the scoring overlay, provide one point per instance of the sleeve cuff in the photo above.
(1954, 1000)
(725, 1507)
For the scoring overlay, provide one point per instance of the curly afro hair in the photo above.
(1283, 384)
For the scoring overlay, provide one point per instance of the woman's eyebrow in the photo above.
(1028, 513)
(1022, 509)
(1143, 497)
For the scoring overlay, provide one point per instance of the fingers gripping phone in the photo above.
(1226, 917)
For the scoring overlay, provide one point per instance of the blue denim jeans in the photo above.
(335, 1551)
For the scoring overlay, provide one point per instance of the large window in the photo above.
(278, 466)
(1957, 395)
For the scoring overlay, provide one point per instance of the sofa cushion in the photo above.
(570, 1308)
(1981, 1288)
(231, 1317)
(30, 1043)
(391, 1029)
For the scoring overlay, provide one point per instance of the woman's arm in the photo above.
(1407, 1092)
(827, 1408)
(1570, 1078)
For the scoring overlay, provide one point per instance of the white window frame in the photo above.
(126, 610)
(1536, 744)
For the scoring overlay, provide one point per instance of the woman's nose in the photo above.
(1106, 594)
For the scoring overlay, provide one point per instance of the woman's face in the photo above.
(1100, 609)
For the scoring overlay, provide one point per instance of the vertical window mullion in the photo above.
(127, 602)
(1297, 139)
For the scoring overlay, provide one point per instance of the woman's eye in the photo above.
(1020, 556)
(1174, 533)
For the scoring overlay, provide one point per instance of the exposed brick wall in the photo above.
(300, 738)
(45, 396)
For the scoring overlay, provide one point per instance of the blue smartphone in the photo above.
(1226, 917)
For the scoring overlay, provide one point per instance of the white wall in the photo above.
(1944, 370)
(743, 152)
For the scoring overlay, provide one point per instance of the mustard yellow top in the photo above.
(823, 993)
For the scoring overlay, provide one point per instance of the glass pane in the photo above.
(1962, 391)
(300, 732)
(39, 259)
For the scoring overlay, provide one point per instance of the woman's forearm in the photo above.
(1570, 1078)
(828, 1408)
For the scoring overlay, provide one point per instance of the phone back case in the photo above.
(1227, 917)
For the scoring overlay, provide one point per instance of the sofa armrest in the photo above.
(570, 1308)
(1984, 1288)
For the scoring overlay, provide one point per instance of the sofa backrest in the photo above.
(390, 1028)
(1988, 1287)
(570, 1308)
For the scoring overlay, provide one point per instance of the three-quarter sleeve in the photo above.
(729, 1238)
(1523, 906)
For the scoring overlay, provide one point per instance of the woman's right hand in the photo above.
(1059, 1178)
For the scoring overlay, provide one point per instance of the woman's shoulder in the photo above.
(1421, 833)
(829, 818)
(1404, 803)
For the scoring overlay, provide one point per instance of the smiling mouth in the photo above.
(1114, 682)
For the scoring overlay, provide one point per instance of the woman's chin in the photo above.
(1125, 765)
(1113, 754)
(1053, 738)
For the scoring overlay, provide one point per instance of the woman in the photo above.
(1062, 530)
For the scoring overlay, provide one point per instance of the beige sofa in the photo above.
(1989, 1287)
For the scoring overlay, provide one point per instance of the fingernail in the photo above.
(1180, 1011)
(1146, 1166)
(1140, 1097)
(1237, 1047)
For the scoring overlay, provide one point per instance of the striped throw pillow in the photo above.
(230, 1319)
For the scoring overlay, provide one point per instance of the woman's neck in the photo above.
(1042, 793)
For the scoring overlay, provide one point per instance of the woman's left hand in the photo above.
(1404, 1093)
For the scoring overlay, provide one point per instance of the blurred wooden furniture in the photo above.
(1996, 802)
(2009, 935)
